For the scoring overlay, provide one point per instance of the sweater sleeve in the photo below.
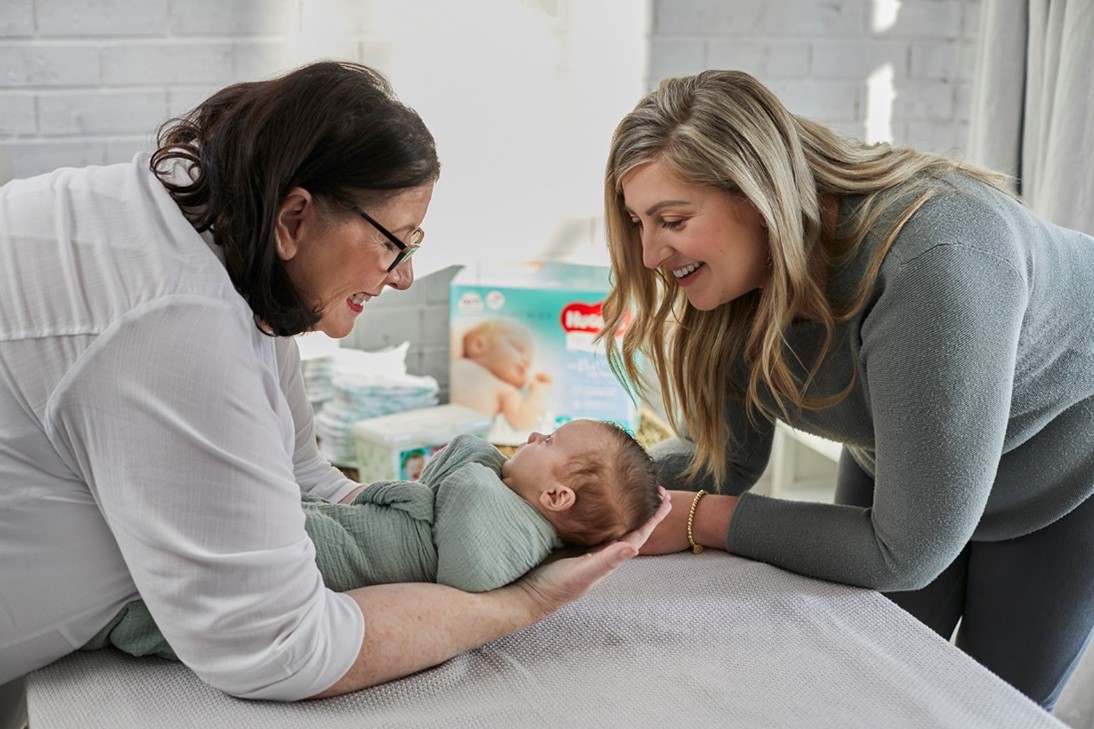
(174, 418)
(938, 356)
(747, 452)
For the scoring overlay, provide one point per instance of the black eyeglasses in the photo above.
(406, 250)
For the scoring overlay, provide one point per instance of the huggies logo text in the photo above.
(582, 322)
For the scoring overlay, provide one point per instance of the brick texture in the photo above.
(818, 57)
(89, 81)
(102, 74)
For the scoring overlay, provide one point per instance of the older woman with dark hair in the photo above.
(155, 437)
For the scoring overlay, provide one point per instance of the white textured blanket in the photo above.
(682, 640)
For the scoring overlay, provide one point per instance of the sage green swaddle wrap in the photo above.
(459, 526)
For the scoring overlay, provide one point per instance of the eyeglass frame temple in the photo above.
(406, 250)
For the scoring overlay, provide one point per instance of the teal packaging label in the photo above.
(412, 461)
(523, 349)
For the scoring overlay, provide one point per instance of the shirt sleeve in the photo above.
(938, 355)
(178, 425)
(314, 473)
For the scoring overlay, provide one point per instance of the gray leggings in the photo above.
(1026, 605)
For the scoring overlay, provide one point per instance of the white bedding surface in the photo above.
(682, 640)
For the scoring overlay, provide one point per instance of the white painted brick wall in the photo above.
(817, 56)
(17, 113)
(773, 59)
(90, 113)
(88, 81)
(17, 18)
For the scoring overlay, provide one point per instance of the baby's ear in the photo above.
(473, 345)
(558, 498)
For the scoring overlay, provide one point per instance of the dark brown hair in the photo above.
(332, 128)
(616, 489)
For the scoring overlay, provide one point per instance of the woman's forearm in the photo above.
(712, 517)
(413, 626)
(348, 498)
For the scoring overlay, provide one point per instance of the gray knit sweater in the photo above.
(973, 405)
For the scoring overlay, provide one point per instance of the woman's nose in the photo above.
(402, 277)
(652, 251)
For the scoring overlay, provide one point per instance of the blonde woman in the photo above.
(898, 302)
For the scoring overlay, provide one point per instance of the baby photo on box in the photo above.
(523, 350)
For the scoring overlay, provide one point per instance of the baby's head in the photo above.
(503, 347)
(591, 479)
(413, 464)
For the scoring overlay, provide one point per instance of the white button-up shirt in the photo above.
(153, 443)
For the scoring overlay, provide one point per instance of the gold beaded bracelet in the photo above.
(695, 548)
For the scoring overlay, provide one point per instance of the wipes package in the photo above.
(522, 349)
(397, 447)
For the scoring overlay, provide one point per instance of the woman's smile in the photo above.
(712, 242)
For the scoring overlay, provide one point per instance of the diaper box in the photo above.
(522, 350)
(396, 447)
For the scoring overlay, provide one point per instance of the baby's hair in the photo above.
(488, 327)
(616, 489)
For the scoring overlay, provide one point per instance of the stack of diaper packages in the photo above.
(367, 385)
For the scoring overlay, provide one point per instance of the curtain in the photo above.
(1032, 112)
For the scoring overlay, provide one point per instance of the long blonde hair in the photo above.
(725, 130)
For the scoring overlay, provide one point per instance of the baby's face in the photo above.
(414, 466)
(542, 455)
(508, 354)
